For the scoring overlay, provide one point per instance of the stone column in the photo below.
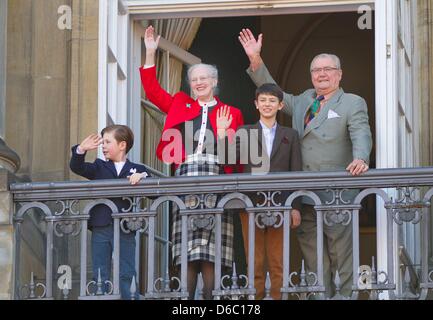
(52, 83)
(9, 163)
(6, 237)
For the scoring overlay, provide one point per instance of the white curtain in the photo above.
(180, 32)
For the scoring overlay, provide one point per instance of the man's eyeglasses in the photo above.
(325, 69)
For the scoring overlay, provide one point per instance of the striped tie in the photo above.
(313, 111)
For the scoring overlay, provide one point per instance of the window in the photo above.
(112, 63)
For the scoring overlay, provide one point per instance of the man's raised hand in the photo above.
(251, 46)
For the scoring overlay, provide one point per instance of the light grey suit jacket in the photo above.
(339, 133)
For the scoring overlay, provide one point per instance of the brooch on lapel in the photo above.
(132, 170)
(188, 105)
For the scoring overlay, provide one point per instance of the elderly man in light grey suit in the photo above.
(335, 135)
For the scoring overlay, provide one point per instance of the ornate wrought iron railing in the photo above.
(65, 208)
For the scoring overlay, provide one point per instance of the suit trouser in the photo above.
(337, 251)
(268, 244)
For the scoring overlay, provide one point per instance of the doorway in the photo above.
(290, 42)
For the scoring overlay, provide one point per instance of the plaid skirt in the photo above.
(201, 242)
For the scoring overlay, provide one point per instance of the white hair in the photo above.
(212, 70)
(327, 55)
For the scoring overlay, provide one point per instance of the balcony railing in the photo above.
(63, 209)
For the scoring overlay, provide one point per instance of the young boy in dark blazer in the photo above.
(116, 141)
(269, 147)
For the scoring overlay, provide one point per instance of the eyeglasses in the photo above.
(201, 79)
(325, 69)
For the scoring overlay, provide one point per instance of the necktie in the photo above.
(313, 111)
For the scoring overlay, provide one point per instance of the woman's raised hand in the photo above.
(224, 120)
(149, 39)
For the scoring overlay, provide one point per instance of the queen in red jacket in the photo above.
(188, 142)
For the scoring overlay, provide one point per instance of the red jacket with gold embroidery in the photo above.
(179, 109)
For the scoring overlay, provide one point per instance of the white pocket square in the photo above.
(332, 114)
(132, 170)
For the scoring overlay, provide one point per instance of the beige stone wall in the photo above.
(424, 38)
(19, 84)
(52, 96)
(37, 89)
(51, 84)
(83, 101)
(425, 77)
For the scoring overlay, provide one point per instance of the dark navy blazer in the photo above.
(100, 215)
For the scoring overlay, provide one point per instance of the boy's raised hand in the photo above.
(91, 142)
